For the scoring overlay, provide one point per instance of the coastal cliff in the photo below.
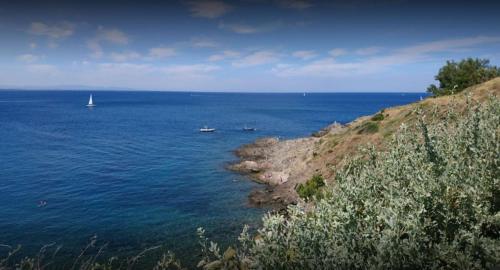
(284, 164)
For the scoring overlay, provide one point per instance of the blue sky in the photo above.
(248, 45)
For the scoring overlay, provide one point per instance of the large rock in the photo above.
(251, 166)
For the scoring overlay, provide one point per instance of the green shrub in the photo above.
(455, 77)
(431, 201)
(378, 117)
(368, 128)
(312, 188)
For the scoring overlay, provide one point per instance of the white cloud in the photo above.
(223, 55)
(294, 4)
(120, 68)
(330, 67)
(148, 76)
(148, 68)
(257, 58)
(326, 67)
(127, 56)
(208, 8)
(52, 44)
(424, 51)
(112, 35)
(56, 31)
(161, 52)
(449, 44)
(368, 51)
(95, 47)
(203, 43)
(189, 70)
(43, 69)
(390, 67)
(28, 58)
(249, 29)
(304, 55)
(82, 63)
(124, 56)
(239, 28)
(337, 52)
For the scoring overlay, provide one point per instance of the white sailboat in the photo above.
(91, 103)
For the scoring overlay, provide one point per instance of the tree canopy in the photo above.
(456, 76)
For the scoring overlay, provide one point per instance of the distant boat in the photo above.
(246, 128)
(91, 103)
(207, 129)
(304, 94)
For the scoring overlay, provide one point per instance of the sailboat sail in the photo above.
(91, 103)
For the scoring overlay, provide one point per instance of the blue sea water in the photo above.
(135, 171)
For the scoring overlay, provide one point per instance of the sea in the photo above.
(135, 173)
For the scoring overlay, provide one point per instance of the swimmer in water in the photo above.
(42, 203)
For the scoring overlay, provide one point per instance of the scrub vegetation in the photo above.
(312, 188)
(368, 127)
(378, 117)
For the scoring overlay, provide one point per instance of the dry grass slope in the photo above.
(332, 149)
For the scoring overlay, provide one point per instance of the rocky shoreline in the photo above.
(279, 164)
(283, 164)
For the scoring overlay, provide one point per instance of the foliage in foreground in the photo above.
(455, 77)
(431, 201)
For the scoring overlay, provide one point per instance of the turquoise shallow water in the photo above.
(135, 171)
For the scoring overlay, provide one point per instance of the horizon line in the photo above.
(214, 91)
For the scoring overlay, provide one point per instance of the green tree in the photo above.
(455, 77)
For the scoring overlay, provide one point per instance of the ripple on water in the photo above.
(135, 170)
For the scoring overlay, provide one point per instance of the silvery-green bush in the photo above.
(431, 200)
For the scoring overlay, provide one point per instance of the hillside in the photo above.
(285, 164)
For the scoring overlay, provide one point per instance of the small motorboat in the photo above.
(207, 129)
(245, 128)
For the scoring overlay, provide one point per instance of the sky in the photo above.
(241, 46)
